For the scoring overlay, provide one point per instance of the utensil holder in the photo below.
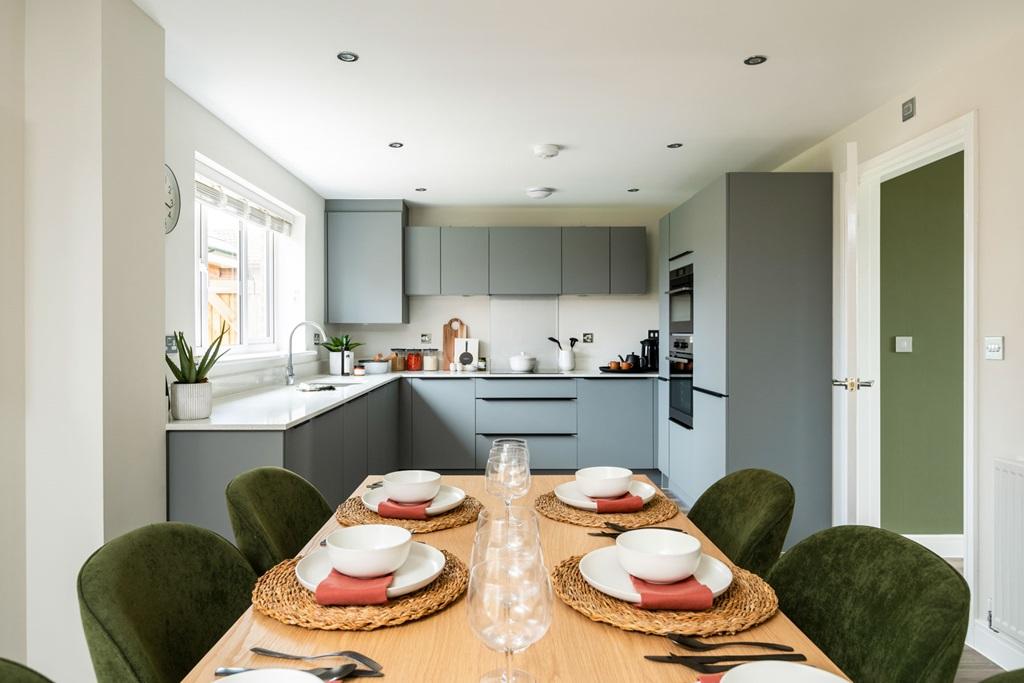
(566, 360)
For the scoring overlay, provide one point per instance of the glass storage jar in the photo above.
(413, 360)
(397, 360)
(430, 360)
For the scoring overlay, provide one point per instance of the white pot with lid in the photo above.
(522, 362)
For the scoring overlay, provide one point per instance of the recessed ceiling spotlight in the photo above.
(396, 145)
(675, 145)
(421, 189)
(539, 192)
(754, 60)
(348, 56)
(546, 151)
(633, 189)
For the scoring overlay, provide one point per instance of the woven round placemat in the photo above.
(748, 602)
(279, 595)
(353, 512)
(658, 509)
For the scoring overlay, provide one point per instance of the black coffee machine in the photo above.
(649, 352)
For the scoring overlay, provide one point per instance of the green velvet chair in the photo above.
(882, 607)
(156, 599)
(747, 515)
(13, 672)
(273, 513)
(1007, 677)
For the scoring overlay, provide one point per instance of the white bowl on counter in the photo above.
(368, 550)
(658, 555)
(604, 482)
(412, 486)
(376, 367)
(522, 363)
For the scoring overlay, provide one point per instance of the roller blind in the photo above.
(214, 189)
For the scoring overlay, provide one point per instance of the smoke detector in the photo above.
(546, 151)
(539, 192)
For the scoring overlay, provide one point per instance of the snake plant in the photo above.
(188, 371)
(344, 343)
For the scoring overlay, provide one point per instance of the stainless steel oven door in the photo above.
(680, 402)
(680, 306)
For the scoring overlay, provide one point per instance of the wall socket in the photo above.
(424, 337)
(909, 109)
(170, 344)
(316, 338)
(588, 337)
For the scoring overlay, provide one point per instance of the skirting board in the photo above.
(1004, 651)
(943, 545)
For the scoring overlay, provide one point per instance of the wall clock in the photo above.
(172, 200)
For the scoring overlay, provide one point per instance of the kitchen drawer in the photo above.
(526, 388)
(546, 452)
(525, 416)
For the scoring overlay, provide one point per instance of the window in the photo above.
(237, 245)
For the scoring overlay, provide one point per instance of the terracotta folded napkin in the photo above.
(339, 589)
(688, 594)
(710, 678)
(627, 502)
(396, 510)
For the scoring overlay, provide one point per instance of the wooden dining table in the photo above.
(442, 647)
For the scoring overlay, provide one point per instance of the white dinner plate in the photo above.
(601, 569)
(779, 672)
(274, 676)
(447, 498)
(570, 494)
(423, 566)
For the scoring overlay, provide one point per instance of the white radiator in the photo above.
(1008, 603)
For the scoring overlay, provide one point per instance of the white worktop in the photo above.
(281, 407)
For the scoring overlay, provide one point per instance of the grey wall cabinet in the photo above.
(585, 260)
(443, 423)
(464, 261)
(628, 260)
(422, 260)
(382, 429)
(526, 260)
(616, 422)
(364, 270)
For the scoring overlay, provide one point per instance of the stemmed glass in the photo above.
(513, 535)
(508, 472)
(509, 609)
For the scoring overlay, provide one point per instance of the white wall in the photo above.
(94, 412)
(12, 332)
(990, 85)
(618, 322)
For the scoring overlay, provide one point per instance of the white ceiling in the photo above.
(470, 85)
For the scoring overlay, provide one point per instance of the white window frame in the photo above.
(245, 346)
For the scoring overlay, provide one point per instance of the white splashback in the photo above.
(523, 324)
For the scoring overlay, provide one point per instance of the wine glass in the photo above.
(508, 472)
(515, 534)
(510, 605)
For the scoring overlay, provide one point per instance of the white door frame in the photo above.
(856, 456)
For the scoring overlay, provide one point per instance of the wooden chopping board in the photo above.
(453, 329)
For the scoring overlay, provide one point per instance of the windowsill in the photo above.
(249, 362)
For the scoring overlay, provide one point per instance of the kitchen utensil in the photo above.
(522, 363)
(453, 329)
(412, 486)
(447, 498)
(349, 654)
(467, 352)
(623, 529)
(621, 359)
(613, 364)
(604, 482)
(376, 367)
(570, 494)
(633, 360)
(286, 675)
(691, 643)
(425, 564)
(368, 550)
(602, 570)
(658, 556)
(573, 341)
(556, 341)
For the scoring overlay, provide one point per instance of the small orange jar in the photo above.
(413, 360)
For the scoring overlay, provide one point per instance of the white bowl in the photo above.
(412, 486)
(603, 482)
(376, 367)
(522, 363)
(368, 550)
(658, 555)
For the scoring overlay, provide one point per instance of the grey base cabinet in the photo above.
(315, 451)
(616, 422)
(382, 432)
(443, 423)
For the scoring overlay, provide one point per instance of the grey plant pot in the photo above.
(191, 401)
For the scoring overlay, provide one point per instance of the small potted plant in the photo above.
(340, 354)
(191, 393)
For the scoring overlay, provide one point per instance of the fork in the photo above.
(701, 646)
(349, 654)
(324, 673)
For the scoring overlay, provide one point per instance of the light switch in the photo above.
(993, 348)
(904, 344)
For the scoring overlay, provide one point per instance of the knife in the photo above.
(718, 659)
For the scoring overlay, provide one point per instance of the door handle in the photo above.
(853, 383)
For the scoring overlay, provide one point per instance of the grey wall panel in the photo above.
(628, 260)
(526, 260)
(422, 260)
(464, 261)
(780, 330)
(200, 465)
(585, 260)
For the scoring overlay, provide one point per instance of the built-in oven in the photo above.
(680, 363)
(680, 299)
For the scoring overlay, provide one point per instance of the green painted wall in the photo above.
(922, 398)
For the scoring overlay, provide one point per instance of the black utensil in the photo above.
(349, 654)
(556, 341)
(711, 664)
(700, 646)
(621, 358)
(623, 529)
(573, 341)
